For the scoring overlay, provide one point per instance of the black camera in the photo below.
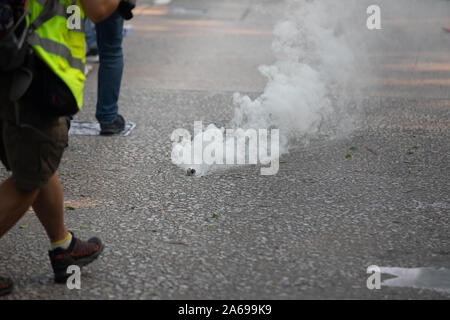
(125, 8)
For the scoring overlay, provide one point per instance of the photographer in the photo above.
(36, 94)
(109, 36)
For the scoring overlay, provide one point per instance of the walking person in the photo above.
(33, 126)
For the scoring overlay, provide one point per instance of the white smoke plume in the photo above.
(306, 85)
(312, 88)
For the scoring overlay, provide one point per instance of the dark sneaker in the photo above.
(117, 126)
(79, 253)
(6, 286)
(92, 55)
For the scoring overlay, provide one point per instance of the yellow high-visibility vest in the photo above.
(61, 48)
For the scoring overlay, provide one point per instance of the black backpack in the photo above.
(27, 73)
(13, 47)
(14, 31)
(16, 54)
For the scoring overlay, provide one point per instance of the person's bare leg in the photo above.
(13, 204)
(49, 208)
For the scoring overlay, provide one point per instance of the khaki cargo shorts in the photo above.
(33, 152)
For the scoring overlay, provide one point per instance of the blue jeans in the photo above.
(91, 37)
(109, 41)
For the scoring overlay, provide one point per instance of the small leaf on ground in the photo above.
(70, 208)
(215, 216)
(348, 156)
(85, 227)
(24, 226)
(210, 225)
(353, 148)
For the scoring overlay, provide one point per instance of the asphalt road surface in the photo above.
(310, 231)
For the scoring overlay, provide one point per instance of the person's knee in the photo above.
(111, 52)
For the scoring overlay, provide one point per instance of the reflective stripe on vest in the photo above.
(57, 49)
(63, 50)
(60, 8)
